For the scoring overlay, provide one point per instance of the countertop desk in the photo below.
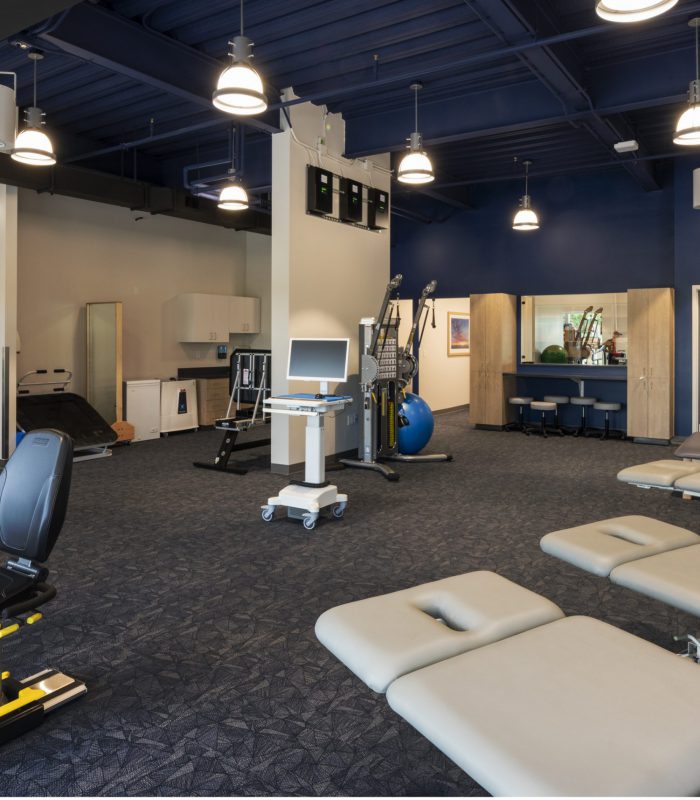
(578, 376)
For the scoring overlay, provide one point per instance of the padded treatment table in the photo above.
(672, 577)
(69, 413)
(575, 707)
(526, 701)
(667, 472)
(651, 557)
(382, 638)
(601, 546)
(689, 484)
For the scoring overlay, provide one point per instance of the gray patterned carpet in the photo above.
(191, 620)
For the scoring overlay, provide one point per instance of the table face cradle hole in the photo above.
(438, 615)
(623, 538)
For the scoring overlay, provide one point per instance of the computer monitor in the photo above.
(323, 360)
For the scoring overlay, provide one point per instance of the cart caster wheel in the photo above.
(338, 511)
(267, 514)
(309, 523)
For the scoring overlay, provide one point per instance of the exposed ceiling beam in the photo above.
(525, 106)
(20, 14)
(100, 187)
(558, 68)
(102, 37)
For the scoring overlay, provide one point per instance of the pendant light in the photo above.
(233, 197)
(688, 125)
(32, 145)
(239, 89)
(525, 218)
(632, 10)
(415, 167)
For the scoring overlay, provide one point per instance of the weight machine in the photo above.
(385, 371)
(249, 384)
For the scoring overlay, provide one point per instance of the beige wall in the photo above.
(258, 283)
(444, 380)
(326, 276)
(73, 251)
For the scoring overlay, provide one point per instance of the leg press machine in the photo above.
(530, 702)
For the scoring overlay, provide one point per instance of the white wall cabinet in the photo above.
(212, 317)
(244, 315)
(202, 318)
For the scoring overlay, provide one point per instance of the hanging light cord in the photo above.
(416, 94)
(697, 58)
(241, 17)
(527, 170)
(35, 60)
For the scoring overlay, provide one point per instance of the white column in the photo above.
(325, 276)
(8, 314)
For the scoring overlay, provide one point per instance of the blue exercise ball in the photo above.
(417, 427)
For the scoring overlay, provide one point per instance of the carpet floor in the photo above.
(191, 620)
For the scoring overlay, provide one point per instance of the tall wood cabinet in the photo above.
(493, 352)
(650, 363)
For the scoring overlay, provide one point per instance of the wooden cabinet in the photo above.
(244, 315)
(650, 364)
(212, 399)
(203, 317)
(493, 352)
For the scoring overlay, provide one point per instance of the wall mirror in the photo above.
(583, 329)
(104, 359)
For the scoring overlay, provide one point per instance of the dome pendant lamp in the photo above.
(688, 125)
(233, 197)
(415, 167)
(239, 89)
(525, 218)
(32, 145)
(632, 10)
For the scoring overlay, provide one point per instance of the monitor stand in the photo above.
(305, 499)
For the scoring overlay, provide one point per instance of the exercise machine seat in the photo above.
(599, 547)
(575, 707)
(672, 577)
(34, 489)
(381, 638)
(661, 474)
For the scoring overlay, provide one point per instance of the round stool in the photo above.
(609, 408)
(543, 407)
(560, 400)
(520, 402)
(584, 402)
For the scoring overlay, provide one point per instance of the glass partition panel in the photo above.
(588, 329)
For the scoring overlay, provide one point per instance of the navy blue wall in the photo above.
(687, 273)
(600, 233)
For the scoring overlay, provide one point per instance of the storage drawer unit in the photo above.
(212, 399)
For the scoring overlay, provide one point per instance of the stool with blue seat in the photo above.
(609, 408)
(583, 403)
(521, 403)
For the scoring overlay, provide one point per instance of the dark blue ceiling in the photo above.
(126, 84)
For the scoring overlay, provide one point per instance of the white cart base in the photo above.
(305, 503)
